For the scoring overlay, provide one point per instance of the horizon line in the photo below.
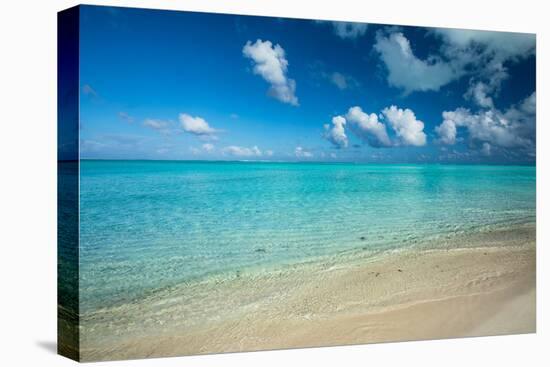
(300, 162)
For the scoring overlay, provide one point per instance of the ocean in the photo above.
(146, 226)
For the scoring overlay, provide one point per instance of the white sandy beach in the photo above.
(485, 287)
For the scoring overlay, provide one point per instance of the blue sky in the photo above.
(183, 85)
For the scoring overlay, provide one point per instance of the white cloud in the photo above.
(483, 126)
(479, 93)
(208, 147)
(156, 124)
(372, 127)
(529, 105)
(368, 128)
(407, 71)
(269, 153)
(270, 63)
(484, 55)
(302, 153)
(446, 132)
(408, 129)
(512, 128)
(195, 125)
(349, 30)
(337, 134)
(506, 44)
(243, 151)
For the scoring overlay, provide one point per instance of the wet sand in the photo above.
(482, 284)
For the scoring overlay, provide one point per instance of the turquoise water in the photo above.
(148, 225)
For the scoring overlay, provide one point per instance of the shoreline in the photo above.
(483, 236)
(411, 294)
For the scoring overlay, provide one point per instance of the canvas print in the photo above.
(239, 183)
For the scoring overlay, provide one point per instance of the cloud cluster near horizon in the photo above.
(372, 128)
(301, 153)
(512, 128)
(193, 125)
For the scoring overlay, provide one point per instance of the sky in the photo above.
(197, 86)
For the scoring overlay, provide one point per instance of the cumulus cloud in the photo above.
(372, 128)
(482, 126)
(300, 152)
(407, 71)
(271, 64)
(368, 128)
(243, 151)
(337, 134)
(195, 125)
(408, 129)
(349, 30)
(446, 132)
(513, 128)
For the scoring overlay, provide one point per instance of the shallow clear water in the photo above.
(147, 225)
